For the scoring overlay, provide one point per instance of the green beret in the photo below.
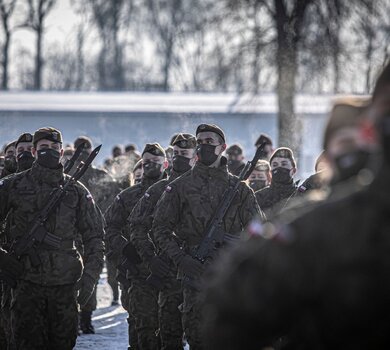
(26, 137)
(173, 138)
(155, 149)
(284, 152)
(234, 150)
(83, 139)
(8, 145)
(186, 141)
(48, 133)
(263, 138)
(211, 128)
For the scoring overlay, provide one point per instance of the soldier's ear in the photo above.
(224, 146)
(33, 151)
(61, 152)
(165, 164)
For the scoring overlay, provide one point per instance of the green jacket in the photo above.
(76, 219)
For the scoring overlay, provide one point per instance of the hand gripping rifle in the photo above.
(37, 234)
(215, 235)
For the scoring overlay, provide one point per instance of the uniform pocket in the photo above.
(66, 267)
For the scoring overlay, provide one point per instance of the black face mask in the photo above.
(206, 154)
(49, 158)
(257, 185)
(181, 164)
(281, 175)
(10, 164)
(349, 164)
(152, 170)
(25, 160)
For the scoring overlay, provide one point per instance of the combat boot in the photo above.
(86, 322)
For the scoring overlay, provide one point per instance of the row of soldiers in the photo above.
(152, 230)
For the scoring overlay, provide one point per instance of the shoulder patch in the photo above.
(168, 189)
(1, 182)
(147, 195)
(89, 196)
(118, 198)
(302, 189)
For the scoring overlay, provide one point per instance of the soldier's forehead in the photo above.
(207, 135)
(24, 144)
(281, 159)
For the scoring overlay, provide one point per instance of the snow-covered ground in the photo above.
(109, 322)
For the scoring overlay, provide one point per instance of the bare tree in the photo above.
(167, 18)
(37, 12)
(6, 10)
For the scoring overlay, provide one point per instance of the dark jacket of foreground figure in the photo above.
(23, 195)
(323, 280)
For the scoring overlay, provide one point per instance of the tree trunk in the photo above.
(167, 64)
(7, 41)
(38, 60)
(287, 57)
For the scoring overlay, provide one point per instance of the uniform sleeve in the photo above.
(249, 209)
(4, 196)
(90, 226)
(140, 223)
(166, 218)
(115, 222)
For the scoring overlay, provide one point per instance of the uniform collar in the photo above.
(220, 172)
(46, 175)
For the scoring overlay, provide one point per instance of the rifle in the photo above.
(215, 235)
(70, 162)
(37, 234)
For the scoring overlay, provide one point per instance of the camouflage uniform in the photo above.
(185, 209)
(116, 234)
(43, 307)
(152, 304)
(273, 199)
(103, 189)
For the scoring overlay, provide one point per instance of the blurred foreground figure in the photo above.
(322, 280)
(268, 149)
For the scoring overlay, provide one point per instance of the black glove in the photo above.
(158, 267)
(10, 267)
(191, 267)
(86, 286)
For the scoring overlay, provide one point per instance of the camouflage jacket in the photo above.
(272, 199)
(117, 233)
(141, 220)
(189, 203)
(76, 219)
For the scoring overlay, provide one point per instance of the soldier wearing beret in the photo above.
(10, 164)
(43, 306)
(24, 157)
(164, 305)
(273, 198)
(24, 160)
(235, 159)
(184, 211)
(117, 236)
